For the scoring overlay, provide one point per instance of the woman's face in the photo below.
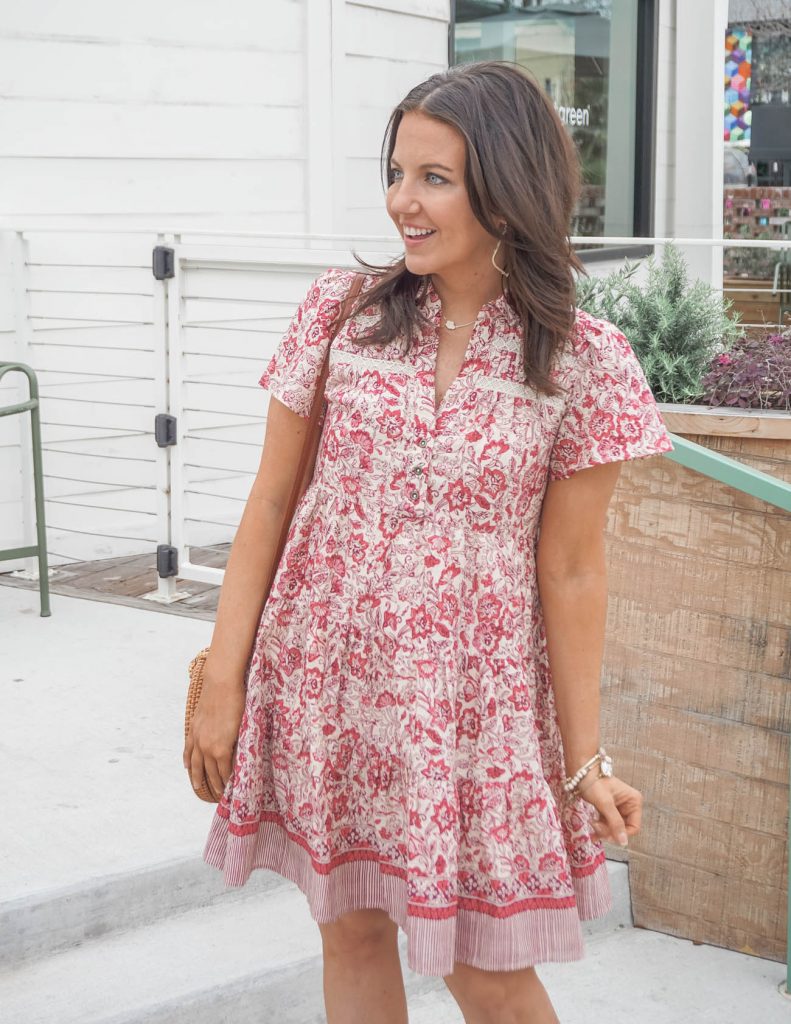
(427, 192)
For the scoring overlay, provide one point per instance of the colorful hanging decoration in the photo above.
(738, 75)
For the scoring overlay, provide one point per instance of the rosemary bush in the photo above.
(675, 328)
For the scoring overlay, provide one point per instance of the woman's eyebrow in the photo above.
(425, 167)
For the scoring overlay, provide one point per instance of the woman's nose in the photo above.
(403, 200)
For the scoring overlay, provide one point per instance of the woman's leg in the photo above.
(363, 983)
(500, 997)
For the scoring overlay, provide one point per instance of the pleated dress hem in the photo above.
(494, 938)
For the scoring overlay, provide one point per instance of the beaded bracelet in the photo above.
(577, 794)
(600, 757)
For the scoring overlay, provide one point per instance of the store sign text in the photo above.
(579, 116)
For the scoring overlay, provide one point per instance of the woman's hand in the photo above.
(619, 806)
(210, 745)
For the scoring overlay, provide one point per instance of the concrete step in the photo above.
(237, 960)
(40, 924)
(259, 959)
(153, 945)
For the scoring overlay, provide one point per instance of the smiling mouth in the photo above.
(421, 237)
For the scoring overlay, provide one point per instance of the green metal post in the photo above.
(39, 549)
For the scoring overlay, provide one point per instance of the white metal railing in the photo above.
(227, 307)
(114, 347)
(83, 321)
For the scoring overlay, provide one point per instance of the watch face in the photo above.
(606, 768)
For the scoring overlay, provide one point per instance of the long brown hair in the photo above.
(522, 166)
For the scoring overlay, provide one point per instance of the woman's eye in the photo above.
(433, 179)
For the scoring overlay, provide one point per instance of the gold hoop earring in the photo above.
(500, 269)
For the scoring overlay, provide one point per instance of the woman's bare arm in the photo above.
(572, 580)
(216, 722)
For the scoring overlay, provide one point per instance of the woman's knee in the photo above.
(358, 931)
(489, 997)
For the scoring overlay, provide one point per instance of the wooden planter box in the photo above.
(696, 684)
(753, 299)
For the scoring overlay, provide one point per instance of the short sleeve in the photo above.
(291, 375)
(610, 413)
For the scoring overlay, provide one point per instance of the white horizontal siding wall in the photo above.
(190, 111)
(245, 116)
(127, 119)
(385, 48)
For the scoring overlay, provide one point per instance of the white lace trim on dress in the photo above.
(370, 363)
(506, 387)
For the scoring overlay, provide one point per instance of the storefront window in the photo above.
(757, 133)
(586, 56)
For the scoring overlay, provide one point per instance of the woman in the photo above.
(401, 744)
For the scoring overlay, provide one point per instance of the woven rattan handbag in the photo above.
(301, 481)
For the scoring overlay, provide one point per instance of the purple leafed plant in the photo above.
(754, 374)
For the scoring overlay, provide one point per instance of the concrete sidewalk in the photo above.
(92, 704)
(103, 890)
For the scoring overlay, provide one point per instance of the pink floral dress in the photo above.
(399, 746)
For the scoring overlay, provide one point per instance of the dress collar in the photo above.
(497, 307)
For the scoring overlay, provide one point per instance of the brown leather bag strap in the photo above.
(315, 422)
